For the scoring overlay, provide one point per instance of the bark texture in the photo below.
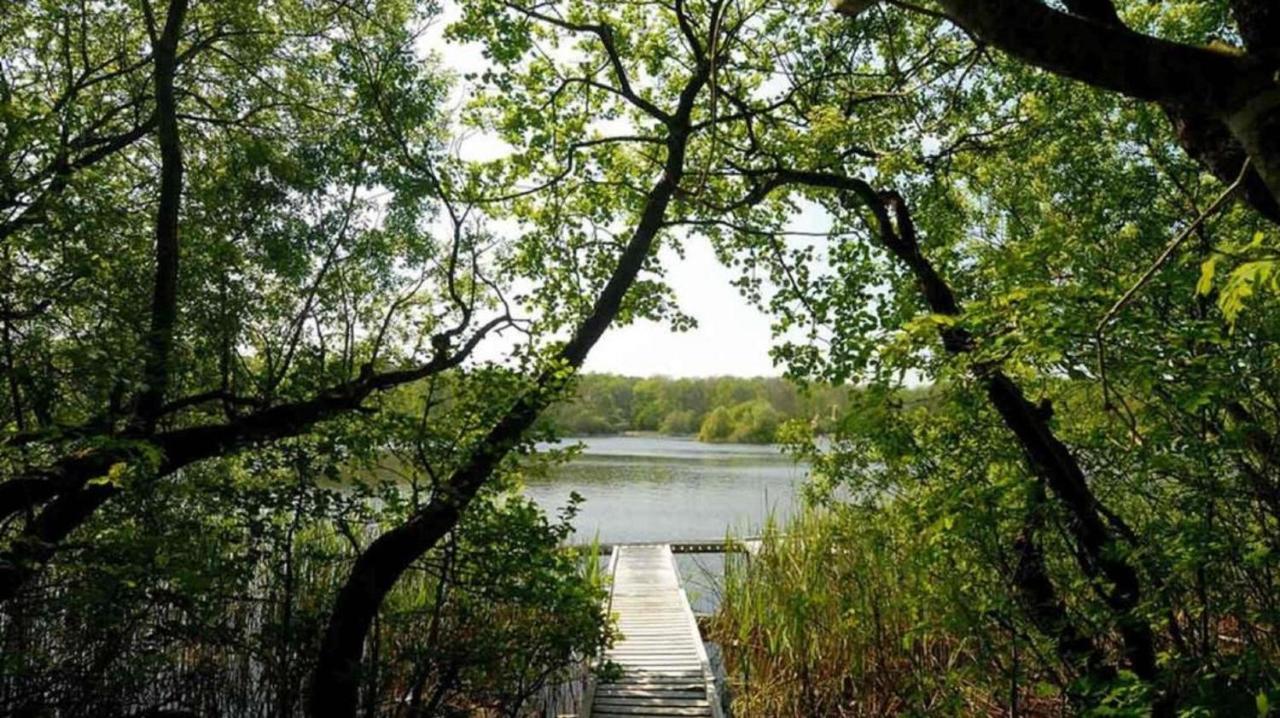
(164, 301)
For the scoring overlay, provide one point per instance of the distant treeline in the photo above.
(717, 409)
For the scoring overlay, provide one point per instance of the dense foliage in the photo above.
(1085, 512)
(251, 463)
(240, 289)
(212, 597)
(732, 409)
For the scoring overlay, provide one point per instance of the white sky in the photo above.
(732, 337)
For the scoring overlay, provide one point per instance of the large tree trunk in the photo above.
(1257, 124)
(164, 302)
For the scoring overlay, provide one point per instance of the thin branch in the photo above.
(1111, 314)
(605, 34)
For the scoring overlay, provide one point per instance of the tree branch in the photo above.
(164, 302)
(72, 499)
(1048, 457)
(605, 34)
(334, 684)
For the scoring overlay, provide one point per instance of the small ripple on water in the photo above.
(644, 488)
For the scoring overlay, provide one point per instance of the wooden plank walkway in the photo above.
(665, 671)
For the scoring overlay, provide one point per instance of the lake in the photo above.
(657, 488)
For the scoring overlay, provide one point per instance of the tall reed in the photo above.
(853, 613)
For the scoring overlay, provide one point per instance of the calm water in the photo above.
(642, 488)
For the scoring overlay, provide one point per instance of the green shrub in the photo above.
(749, 422)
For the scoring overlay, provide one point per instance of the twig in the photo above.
(1127, 297)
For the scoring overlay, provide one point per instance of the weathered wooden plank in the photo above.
(679, 690)
(663, 663)
(638, 701)
(630, 712)
(651, 674)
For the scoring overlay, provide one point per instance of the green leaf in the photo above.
(1207, 269)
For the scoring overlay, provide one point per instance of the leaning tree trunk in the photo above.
(1097, 550)
(1099, 555)
(334, 686)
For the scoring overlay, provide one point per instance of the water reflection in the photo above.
(640, 488)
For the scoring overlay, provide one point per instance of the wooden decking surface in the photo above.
(664, 664)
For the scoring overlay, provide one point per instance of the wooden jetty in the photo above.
(664, 665)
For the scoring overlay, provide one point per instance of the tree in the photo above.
(273, 305)
(1221, 101)
(749, 422)
(1029, 246)
(679, 423)
(314, 251)
(380, 565)
(234, 243)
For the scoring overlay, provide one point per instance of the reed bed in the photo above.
(852, 614)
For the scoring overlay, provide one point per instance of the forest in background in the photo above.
(715, 409)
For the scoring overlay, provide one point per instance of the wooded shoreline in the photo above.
(746, 410)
